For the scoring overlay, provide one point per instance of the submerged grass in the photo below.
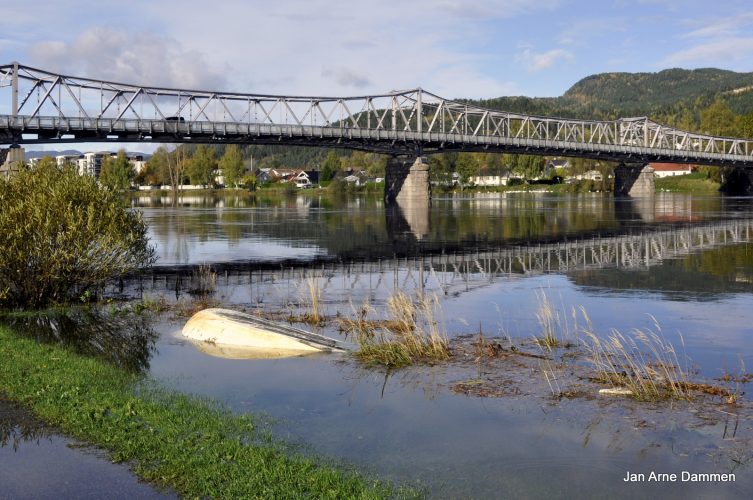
(551, 325)
(411, 334)
(172, 440)
(203, 281)
(641, 361)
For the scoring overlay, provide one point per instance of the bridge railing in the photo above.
(31, 97)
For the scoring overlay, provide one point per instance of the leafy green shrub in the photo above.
(63, 237)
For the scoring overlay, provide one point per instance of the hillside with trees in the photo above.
(615, 95)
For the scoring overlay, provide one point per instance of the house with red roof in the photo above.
(671, 169)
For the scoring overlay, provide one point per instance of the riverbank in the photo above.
(172, 440)
(696, 182)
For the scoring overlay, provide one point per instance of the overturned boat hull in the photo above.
(235, 334)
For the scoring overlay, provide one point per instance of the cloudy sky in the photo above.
(455, 48)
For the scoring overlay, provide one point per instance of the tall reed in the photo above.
(413, 332)
(641, 361)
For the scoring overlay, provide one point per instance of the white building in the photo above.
(489, 180)
(670, 169)
(91, 163)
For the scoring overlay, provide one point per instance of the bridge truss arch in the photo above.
(39, 106)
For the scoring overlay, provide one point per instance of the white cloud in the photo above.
(317, 47)
(129, 57)
(303, 47)
(717, 52)
(729, 26)
(346, 77)
(536, 62)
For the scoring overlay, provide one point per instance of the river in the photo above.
(676, 264)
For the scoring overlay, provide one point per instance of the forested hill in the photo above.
(612, 95)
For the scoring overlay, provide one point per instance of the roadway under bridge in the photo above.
(38, 106)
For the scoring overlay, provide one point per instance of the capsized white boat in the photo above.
(233, 334)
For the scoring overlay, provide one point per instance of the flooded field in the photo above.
(676, 264)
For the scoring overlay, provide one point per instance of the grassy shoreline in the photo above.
(696, 182)
(171, 440)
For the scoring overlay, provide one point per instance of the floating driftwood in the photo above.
(233, 334)
(616, 391)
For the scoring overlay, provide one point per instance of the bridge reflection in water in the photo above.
(457, 272)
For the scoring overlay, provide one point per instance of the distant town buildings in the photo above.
(90, 163)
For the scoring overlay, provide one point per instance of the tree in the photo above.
(157, 168)
(466, 166)
(203, 165)
(249, 182)
(116, 174)
(231, 165)
(330, 167)
(172, 168)
(529, 166)
(75, 236)
(746, 126)
(718, 119)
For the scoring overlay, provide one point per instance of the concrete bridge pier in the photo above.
(406, 182)
(11, 160)
(634, 180)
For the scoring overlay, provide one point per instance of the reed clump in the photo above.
(358, 325)
(314, 315)
(413, 333)
(642, 361)
(203, 281)
(309, 307)
(550, 323)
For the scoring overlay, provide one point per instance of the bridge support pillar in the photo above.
(407, 183)
(11, 160)
(634, 180)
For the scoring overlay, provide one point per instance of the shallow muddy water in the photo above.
(37, 462)
(679, 262)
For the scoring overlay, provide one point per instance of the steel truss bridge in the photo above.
(38, 106)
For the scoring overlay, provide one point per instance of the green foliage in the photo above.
(718, 119)
(231, 165)
(116, 174)
(466, 166)
(62, 236)
(613, 95)
(249, 182)
(528, 166)
(330, 167)
(698, 182)
(202, 166)
(338, 187)
(158, 165)
(191, 445)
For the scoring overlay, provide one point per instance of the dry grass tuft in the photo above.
(203, 281)
(411, 334)
(642, 361)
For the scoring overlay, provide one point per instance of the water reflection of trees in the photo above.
(706, 275)
(360, 227)
(124, 339)
(17, 425)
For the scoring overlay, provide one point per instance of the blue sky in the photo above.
(451, 47)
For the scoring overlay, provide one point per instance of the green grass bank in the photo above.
(697, 182)
(172, 440)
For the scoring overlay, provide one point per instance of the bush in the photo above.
(63, 237)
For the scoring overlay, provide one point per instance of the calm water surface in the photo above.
(683, 262)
